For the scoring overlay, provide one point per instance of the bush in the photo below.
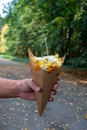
(77, 62)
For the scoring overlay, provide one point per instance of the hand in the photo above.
(27, 89)
(54, 90)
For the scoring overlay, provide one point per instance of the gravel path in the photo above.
(67, 112)
(4, 61)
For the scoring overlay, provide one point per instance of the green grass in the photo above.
(12, 58)
(6, 56)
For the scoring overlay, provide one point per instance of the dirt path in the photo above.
(67, 112)
(4, 61)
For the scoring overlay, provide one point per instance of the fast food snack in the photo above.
(47, 63)
(44, 71)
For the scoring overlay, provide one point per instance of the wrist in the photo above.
(17, 88)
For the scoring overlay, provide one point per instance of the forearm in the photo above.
(8, 88)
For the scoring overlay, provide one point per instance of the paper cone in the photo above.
(45, 80)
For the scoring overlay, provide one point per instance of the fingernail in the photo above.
(55, 86)
(51, 99)
(38, 89)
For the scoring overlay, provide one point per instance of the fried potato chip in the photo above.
(47, 63)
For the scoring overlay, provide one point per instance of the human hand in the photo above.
(54, 89)
(28, 88)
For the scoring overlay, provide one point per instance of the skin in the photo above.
(25, 89)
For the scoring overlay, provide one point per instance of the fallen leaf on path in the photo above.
(85, 116)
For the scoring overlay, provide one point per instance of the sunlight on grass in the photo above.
(12, 58)
(6, 56)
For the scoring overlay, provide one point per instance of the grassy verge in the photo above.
(12, 58)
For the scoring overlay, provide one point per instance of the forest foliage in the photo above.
(60, 24)
(3, 30)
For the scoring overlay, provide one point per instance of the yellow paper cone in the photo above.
(45, 80)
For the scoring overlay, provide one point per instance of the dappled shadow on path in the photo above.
(76, 75)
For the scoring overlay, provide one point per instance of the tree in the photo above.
(2, 39)
(60, 24)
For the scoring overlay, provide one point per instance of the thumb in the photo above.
(34, 86)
